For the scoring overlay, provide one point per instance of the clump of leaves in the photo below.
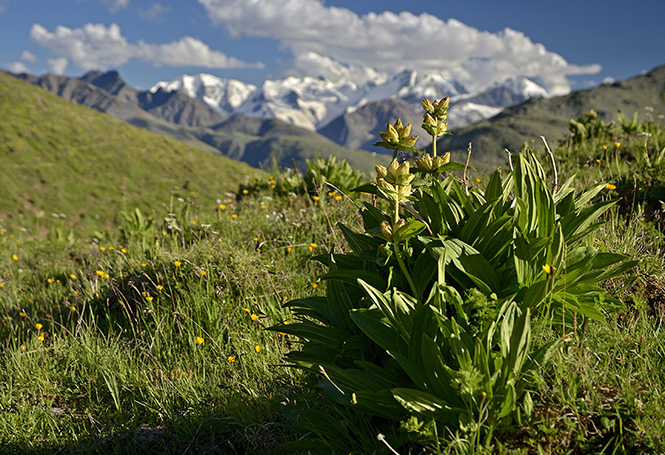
(427, 320)
(322, 175)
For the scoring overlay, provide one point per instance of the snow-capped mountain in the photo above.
(224, 95)
(313, 103)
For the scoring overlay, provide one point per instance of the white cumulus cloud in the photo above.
(96, 46)
(387, 41)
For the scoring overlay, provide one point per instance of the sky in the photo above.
(564, 45)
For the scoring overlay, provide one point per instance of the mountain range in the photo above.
(289, 120)
(340, 109)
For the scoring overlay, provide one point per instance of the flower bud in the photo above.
(441, 160)
(386, 230)
(424, 163)
(427, 106)
(403, 191)
(391, 134)
(381, 172)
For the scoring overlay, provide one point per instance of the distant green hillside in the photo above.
(549, 117)
(57, 157)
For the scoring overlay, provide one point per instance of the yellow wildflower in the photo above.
(160, 287)
(49, 280)
(222, 207)
(22, 314)
(338, 198)
(199, 340)
(41, 337)
(617, 144)
(38, 326)
(231, 359)
(548, 269)
(177, 263)
(257, 348)
(234, 216)
(314, 285)
(610, 187)
(124, 251)
(315, 198)
(245, 191)
(14, 257)
(254, 317)
(202, 272)
(72, 276)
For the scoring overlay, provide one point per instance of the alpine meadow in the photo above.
(500, 289)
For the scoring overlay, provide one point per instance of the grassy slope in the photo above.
(549, 117)
(59, 157)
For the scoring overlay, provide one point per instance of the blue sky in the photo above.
(561, 45)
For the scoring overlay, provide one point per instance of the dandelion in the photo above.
(256, 239)
(315, 198)
(123, 250)
(101, 273)
(598, 160)
(72, 276)
(245, 191)
(14, 257)
(72, 309)
(228, 201)
(617, 144)
(263, 206)
(163, 233)
(254, 317)
(49, 280)
(288, 249)
(610, 187)
(2, 285)
(177, 263)
(193, 223)
(111, 248)
(38, 326)
(234, 216)
(604, 147)
(202, 272)
(231, 359)
(257, 348)
(338, 198)
(222, 207)
(23, 314)
(272, 187)
(314, 285)
(199, 340)
(331, 193)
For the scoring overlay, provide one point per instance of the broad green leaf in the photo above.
(374, 325)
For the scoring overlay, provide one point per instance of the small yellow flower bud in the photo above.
(381, 172)
(427, 106)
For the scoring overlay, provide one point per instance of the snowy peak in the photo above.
(225, 95)
(314, 102)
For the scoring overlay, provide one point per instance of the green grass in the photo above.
(66, 166)
(119, 356)
(151, 335)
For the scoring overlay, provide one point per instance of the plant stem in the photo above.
(405, 271)
(434, 146)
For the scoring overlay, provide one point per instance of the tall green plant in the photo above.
(427, 320)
